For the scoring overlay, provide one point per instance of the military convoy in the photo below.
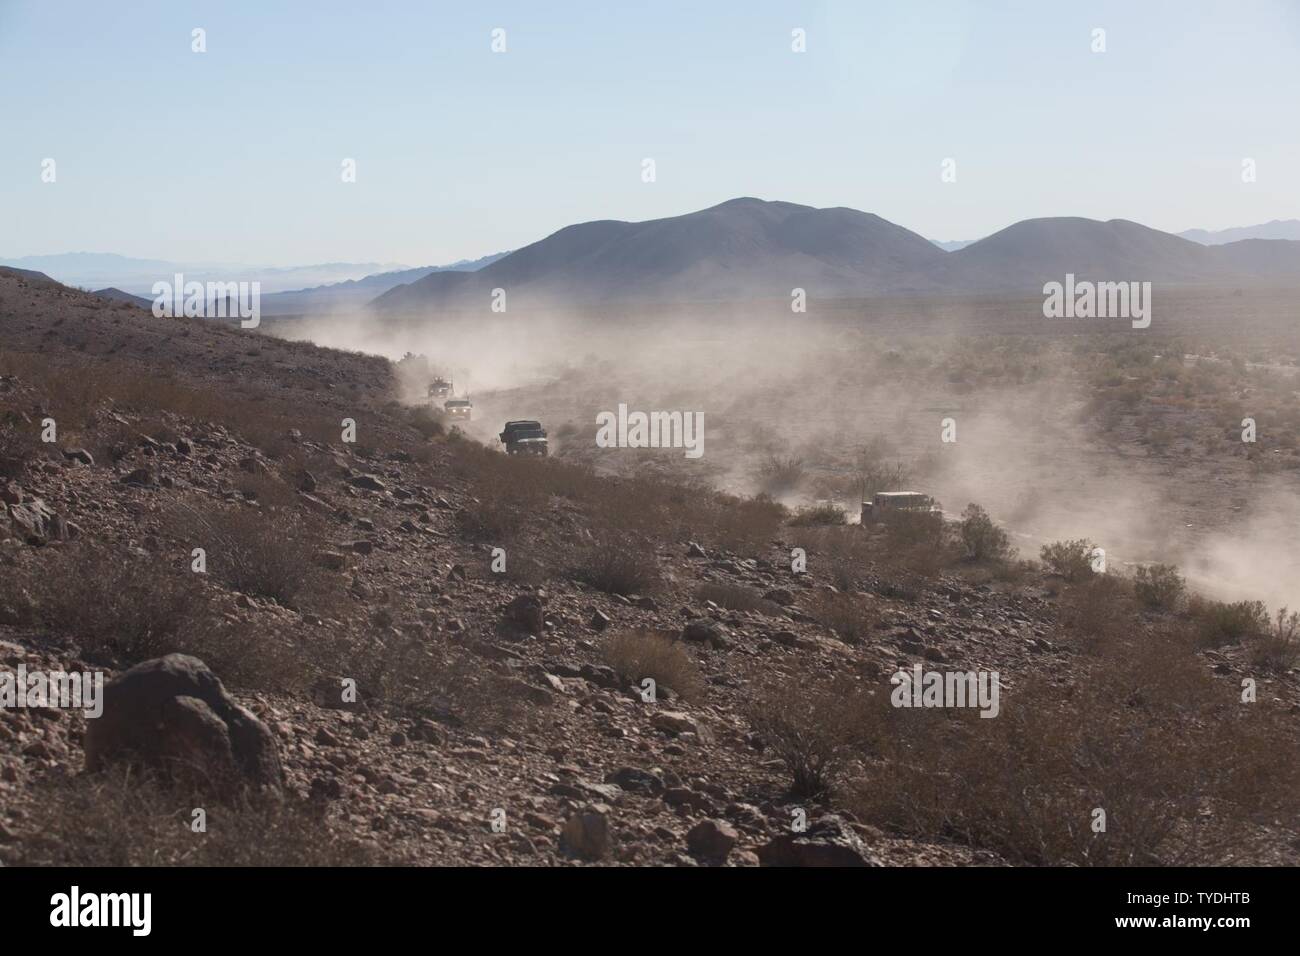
(524, 438)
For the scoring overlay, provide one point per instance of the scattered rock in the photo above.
(827, 842)
(586, 834)
(712, 839)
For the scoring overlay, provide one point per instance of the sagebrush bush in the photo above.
(812, 726)
(735, 597)
(617, 566)
(1128, 735)
(909, 530)
(1277, 646)
(117, 608)
(851, 616)
(122, 817)
(1219, 623)
(638, 654)
(982, 539)
(1158, 586)
(261, 552)
(1098, 610)
(781, 473)
(818, 515)
(1072, 559)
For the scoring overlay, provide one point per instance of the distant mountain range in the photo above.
(300, 289)
(1275, 229)
(750, 248)
(354, 293)
(740, 250)
(93, 270)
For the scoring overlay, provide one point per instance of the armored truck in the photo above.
(524, 438)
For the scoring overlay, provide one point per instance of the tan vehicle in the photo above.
(439, 388)
(458, 409)
(884, 503)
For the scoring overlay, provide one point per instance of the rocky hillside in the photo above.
(439, 654)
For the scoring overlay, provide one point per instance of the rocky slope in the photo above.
(555, 757)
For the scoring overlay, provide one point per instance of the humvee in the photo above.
(885, 502)
(458, 409)
(524, 438)
(439, 388)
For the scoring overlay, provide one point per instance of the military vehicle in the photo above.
(439, 388)
(524, 438)
(458, 409)
(885, 502)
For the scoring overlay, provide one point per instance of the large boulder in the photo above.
(172, 713)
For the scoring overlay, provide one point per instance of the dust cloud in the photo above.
(841, 402)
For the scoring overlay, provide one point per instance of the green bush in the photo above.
(1158, 586)
(982, 539)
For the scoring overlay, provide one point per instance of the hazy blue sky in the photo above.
(235, 154)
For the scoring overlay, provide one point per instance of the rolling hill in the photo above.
(753, 249)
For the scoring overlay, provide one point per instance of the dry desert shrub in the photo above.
(917, 539)
(781, 473)
(1098, 611)
(1277, 646)
(19, 443)
(851, 616)
(118, 608)
(122, 817)
(813, 726)
(1179, 767)
(261, 552)
(1072, 560)
(982, 539)
(1158, 586)
(736, 597)
(1219, 623)
(638, 654)
(618, 565)
(819, 515)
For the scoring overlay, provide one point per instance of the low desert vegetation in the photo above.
(1276, 647)
(638, 654)
(116, 610)
(1159, 586)
(735, 597)
(1029, 785)
(981, 538)
(813, 726)
(124, 817)
(1072, 560)
(781, 473)
(821, 514)
(851, 616)
(1220, 623)
(261, 552)
(618, 566)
